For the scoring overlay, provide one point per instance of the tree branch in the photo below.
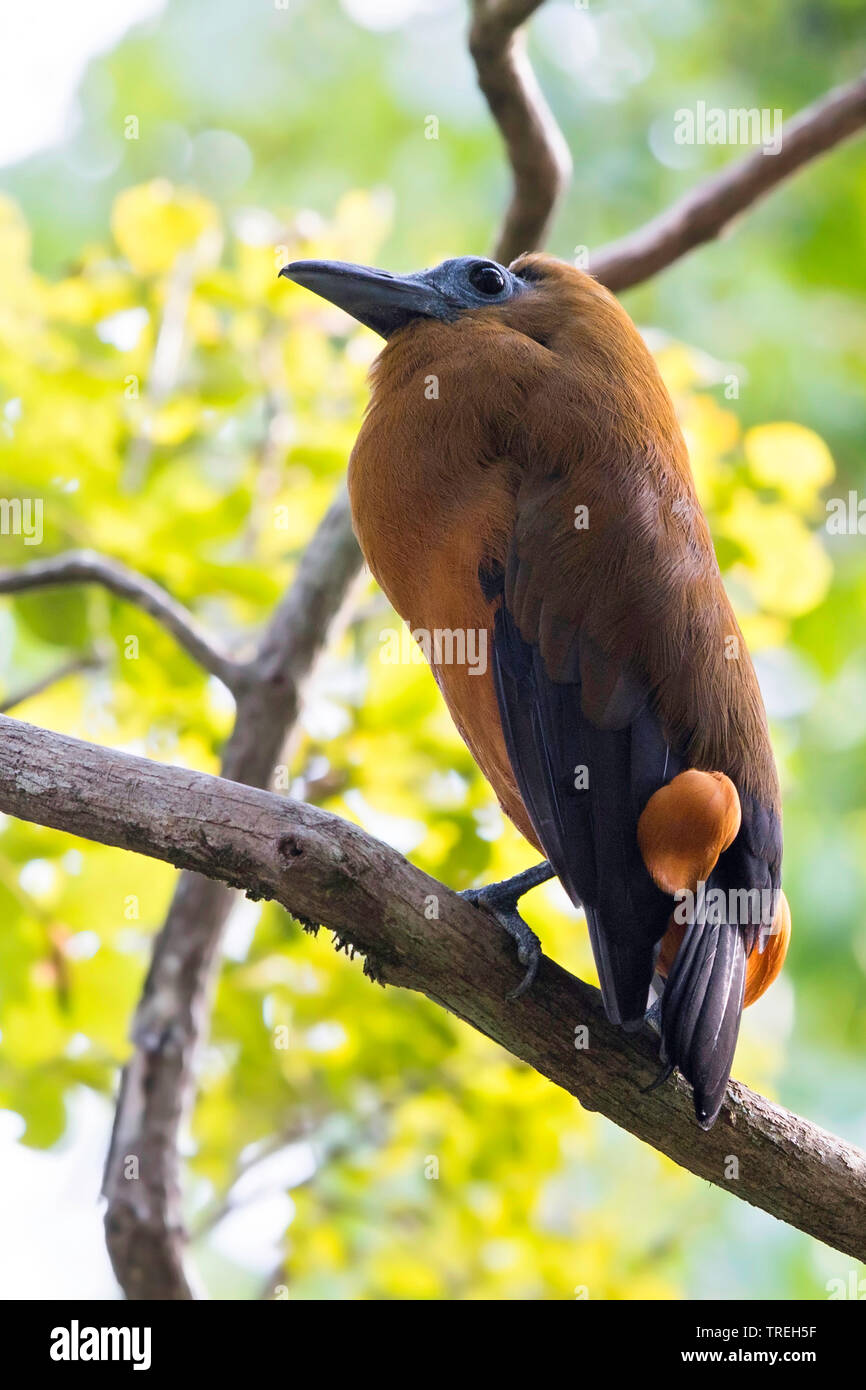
(89, 567)
(537, 153)
(323, 869)
(712, 206)
(143, 1222)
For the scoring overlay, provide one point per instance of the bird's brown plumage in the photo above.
(521, 472)
(551, 404)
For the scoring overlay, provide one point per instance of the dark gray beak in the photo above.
(381, 301)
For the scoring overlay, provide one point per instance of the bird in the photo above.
(520, 474)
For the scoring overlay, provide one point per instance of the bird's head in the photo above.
(386, 303)
(537, 295)
(500, 330)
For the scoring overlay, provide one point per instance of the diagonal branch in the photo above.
(538, 155)
(323, 869)
(89, 567)
(712, 206)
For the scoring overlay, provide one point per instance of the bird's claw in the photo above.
(666, 1070)
(528, 944)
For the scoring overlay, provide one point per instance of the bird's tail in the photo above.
(702, 1004)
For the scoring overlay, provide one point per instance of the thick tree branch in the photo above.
(712, 206)
(143, 1221)
(323, 869)
(538, 156)
(89, 567)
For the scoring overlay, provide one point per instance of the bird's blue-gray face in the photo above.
(386, 302)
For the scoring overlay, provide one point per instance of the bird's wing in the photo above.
(589, 748)
(583, 739)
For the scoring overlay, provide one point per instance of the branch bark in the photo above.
(709, 210)
(323, 869)
(538, 155)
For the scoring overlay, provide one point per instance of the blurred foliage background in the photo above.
(179, 409)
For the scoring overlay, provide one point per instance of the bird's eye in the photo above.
(487, 279)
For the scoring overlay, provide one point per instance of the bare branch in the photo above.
(323, 869)
(537, 153)
(143, 1222)
(89, 567)
(709, 209)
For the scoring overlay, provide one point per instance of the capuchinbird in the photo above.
(521, 476)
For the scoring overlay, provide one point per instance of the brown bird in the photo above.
(521, 476)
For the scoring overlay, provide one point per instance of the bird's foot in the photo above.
(501, 900)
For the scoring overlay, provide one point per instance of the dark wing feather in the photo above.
(703, 999)
(566, 702)
(588, 833)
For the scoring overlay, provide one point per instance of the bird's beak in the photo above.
(381, 301)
